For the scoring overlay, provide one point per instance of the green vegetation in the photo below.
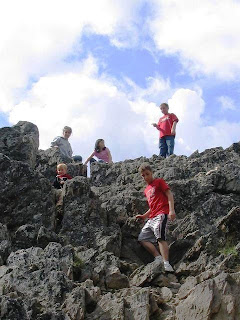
(78, 264)
(228, 249)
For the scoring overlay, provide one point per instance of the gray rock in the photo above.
(145, 275)
(218, 297)
(47, 161)
(25, 197)
(12, 309)
(74, 305)
(91, 265)
(20, 142)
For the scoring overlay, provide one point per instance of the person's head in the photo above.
(67, 131)
(99, 145)
(61, 168)
(164, 107)
(146, 172)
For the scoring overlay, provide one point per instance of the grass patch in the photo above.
(229, 249)
(78, 265)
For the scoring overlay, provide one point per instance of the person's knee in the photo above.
(77, 158)
(161, 241)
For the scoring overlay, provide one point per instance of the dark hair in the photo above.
(164, 104)
(145, 166)
(97, 149)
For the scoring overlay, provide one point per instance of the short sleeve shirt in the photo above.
(156, 197)
(103, 155)
(165, 124)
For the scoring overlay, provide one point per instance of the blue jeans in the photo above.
(166, 146)
(94, 160)
(77, 158)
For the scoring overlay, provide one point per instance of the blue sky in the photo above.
(104, 67)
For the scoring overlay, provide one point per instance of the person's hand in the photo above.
(139, 216)
(62, 182)
(173, 132)
(172, 215)
(155, 125)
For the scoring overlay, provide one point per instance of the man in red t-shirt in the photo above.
(161, 208)
(167, 129)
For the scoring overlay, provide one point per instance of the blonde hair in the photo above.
(62, 166)
(145, 166)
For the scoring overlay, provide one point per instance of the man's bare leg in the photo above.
(163, 247)
(149, 246)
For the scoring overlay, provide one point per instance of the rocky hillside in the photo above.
(83, 261)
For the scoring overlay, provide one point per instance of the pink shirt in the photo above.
(103, 155)
(156, 197)
(165, 124)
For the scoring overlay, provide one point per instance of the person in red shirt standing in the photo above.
(167, 129)
(161, 209)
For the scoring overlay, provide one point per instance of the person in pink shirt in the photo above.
(101, 152)
(167, 129)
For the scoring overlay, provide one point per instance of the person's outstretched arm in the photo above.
(109, 156)
(143, 216)
(172, 214)
(156, 125)
(55, 142)
(90, 157)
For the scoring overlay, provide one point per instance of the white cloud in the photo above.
(226, 103)
(204, 34)
(95, 107)
(192, 132)
(36, 36)
(91, 104)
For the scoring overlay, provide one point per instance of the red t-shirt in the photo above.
(165, 124)
(156, 197)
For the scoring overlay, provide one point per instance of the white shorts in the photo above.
(154, 229)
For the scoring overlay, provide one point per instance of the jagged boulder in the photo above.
(35, 272)
(85, 223)
(216, 298)
(25, 197)
(47, 161)
(20, 142)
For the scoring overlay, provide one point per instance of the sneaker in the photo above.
(168, 267)
(159, 259)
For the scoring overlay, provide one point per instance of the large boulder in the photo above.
(20, 142)
(47, 161)
(84, 222)
(25, 197)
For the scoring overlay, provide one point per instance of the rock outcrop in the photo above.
(83, 261)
